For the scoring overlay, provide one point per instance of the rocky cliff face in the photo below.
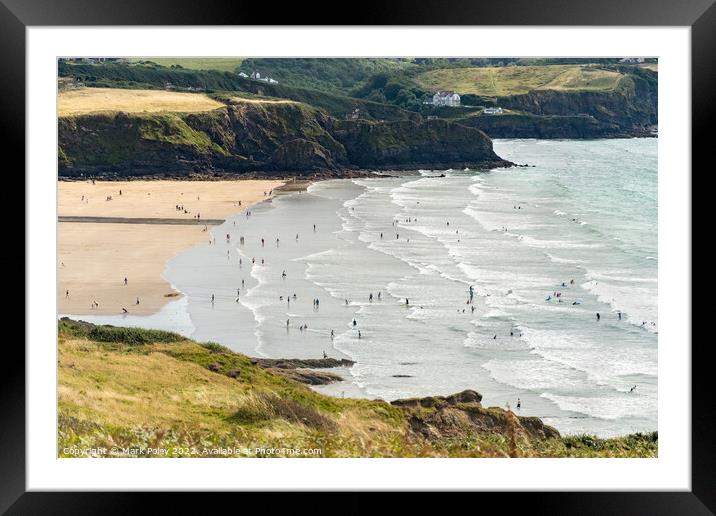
(546, 127)
(261, 137)
(632, 107)
(405, 144)
(630, 110)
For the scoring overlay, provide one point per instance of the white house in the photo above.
(446, 98)
(492, 111)
(256, 75)
(242, 74)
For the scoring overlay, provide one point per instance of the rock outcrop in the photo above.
(303, 370)
(462, 414)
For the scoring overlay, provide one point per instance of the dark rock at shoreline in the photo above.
(308, 376)
(302, 370)
(298, 363)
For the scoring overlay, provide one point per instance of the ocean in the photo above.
(545, 249)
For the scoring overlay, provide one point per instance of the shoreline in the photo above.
(105, 236)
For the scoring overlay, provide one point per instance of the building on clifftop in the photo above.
(446, 98)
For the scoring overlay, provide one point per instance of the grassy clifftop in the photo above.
(146, 393)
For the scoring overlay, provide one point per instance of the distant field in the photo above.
(223, 64)
(515, 80)
(651, 66)
(90, 100)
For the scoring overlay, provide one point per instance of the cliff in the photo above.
(631, 109)
(267, 137)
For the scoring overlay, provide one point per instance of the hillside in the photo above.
(540, 98)
(254, 135)
(122, 388)
(517, 80)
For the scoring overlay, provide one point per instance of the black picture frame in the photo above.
(699, 15)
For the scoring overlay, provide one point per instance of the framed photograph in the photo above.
(269, 257)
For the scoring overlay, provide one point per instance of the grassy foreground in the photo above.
(132, 392)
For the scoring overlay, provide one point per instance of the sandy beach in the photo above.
(95, 257)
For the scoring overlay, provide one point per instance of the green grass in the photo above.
(515, 80)
(135, 388)
(222, 64)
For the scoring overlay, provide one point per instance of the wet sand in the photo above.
(95, 257)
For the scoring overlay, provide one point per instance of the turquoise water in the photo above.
(584, 215)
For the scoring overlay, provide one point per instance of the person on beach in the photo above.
(283, 274)
(287, 322)
(359, 335)
(519, 404)
(324, 354)
(354, 322)
(370, 297)
(124, 310)
(296, 237)
(381, 236)
(346, 302)
(67, 294)
(407, 302)
(125, 280)
(632, 389)
(314, 228)
(332, 336)
(242, 281)
(277, 242)
(212, 299)
(137, 302)
(598, 316)
(619, 314)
